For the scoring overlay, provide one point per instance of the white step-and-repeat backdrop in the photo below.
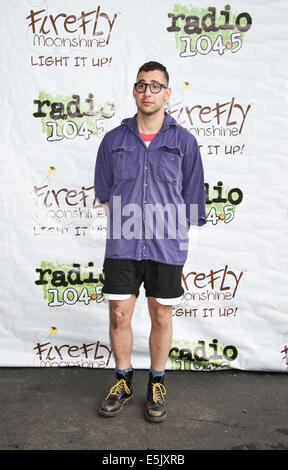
(67, 73)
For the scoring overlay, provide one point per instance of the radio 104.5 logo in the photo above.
(204, 30)
(221, 203)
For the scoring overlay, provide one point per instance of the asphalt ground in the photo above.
(56, 409)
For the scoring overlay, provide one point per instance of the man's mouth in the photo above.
(146, 102)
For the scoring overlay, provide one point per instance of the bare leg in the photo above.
(161, 333)
(121, 335)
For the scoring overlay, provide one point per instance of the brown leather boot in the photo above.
(119, 395)
(155, 407)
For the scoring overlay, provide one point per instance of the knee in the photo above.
(118, 317)
(161, 316)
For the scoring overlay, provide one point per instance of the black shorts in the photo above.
(124, 276)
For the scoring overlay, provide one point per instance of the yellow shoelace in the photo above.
(116, 389)
(158, 391)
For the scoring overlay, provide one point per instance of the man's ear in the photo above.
(168, 93)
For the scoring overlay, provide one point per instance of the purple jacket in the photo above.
(153, 192)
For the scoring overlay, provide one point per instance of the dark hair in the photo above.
(148, 66)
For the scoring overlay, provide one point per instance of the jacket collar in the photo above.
(132, 124)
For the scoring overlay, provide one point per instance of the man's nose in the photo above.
(147, 92)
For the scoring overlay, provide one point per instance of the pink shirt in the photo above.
(147, 137)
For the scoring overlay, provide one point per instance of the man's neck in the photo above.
(150, 124)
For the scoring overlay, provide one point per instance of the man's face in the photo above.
(149, 103)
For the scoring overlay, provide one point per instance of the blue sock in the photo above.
(123, 371)
(156, 373)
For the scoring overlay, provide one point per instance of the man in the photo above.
(151, 167)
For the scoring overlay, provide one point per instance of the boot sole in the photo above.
(108, 414)
(155, 419)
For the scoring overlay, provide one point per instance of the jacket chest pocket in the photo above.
(169, 164)
(125, 163)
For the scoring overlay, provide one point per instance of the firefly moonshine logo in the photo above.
(204, 30)
(65, 33)
(94, 355)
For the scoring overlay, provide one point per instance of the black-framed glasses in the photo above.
(154, 87)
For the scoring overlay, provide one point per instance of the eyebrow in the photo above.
(152, 81)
